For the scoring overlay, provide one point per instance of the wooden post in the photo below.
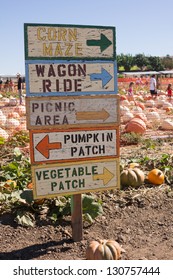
(76, 213)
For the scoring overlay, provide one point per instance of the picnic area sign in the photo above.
(72, 111)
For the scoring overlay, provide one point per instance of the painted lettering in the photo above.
(66, 172)
(62, 49)
(51, 120)
(56, 34)
(68, 185)
(88, 151)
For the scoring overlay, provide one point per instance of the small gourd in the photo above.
(156, 176)
(133, 177)
(104, 250)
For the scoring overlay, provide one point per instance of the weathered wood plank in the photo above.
(72, 111)
(69, 41)
(67, 78)
(51, 180)
(73, 144)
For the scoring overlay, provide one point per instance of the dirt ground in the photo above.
(140, 220)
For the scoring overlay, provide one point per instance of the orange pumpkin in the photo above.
(10, 184)
(141, 105)
(123, 97)
(156, 176)
(136, 125)
(104, 250)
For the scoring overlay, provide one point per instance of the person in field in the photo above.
(19, 87)
(169, 91)
(153, 86)
(130, 92)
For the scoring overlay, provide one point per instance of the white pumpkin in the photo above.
(125, 103)
(166, 105)
(150, 103)
(2, 119)
(153, 117)
(123, 109)
(12, 102)
(3, 134)
(12, 124)
(167, 124)
(5, 101)
(137, 109)
(127, 117)
(21, 110)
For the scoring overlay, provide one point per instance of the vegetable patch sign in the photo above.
(75, 177)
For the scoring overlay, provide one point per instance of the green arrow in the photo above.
(103, 43)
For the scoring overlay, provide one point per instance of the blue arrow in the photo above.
(104, 76)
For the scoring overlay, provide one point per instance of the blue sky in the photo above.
(142, 26)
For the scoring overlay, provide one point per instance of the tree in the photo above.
(141, 61)
(155, 63)
(167, 62)
(126, 61)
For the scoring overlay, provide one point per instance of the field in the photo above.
(140, 219)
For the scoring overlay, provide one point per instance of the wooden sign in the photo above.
(70, 78)
(75, 177)
(73, 144)
(52, 41)
(72, 111)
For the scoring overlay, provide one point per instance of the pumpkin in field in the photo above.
(133, 177)
(141, 116)
(136, 125)
(4, 134)
(167, 124)
(10, 184)
(156, 176)
(104, 250)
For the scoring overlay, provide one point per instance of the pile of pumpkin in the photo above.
(12, 117)
(143, 112)
(134, 177)
(110, 249)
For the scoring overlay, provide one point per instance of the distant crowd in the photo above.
(9, 85)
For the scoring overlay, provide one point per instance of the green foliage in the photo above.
(126, 62)
(91, 208)
(130, 138)
(18, 169)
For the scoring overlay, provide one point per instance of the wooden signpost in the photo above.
(72, 112)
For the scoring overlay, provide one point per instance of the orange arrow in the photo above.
(44, 146)
(90, 115)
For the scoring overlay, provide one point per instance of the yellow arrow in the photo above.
(90, 115)
(106, 176)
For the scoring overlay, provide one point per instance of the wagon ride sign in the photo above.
(72, 111)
